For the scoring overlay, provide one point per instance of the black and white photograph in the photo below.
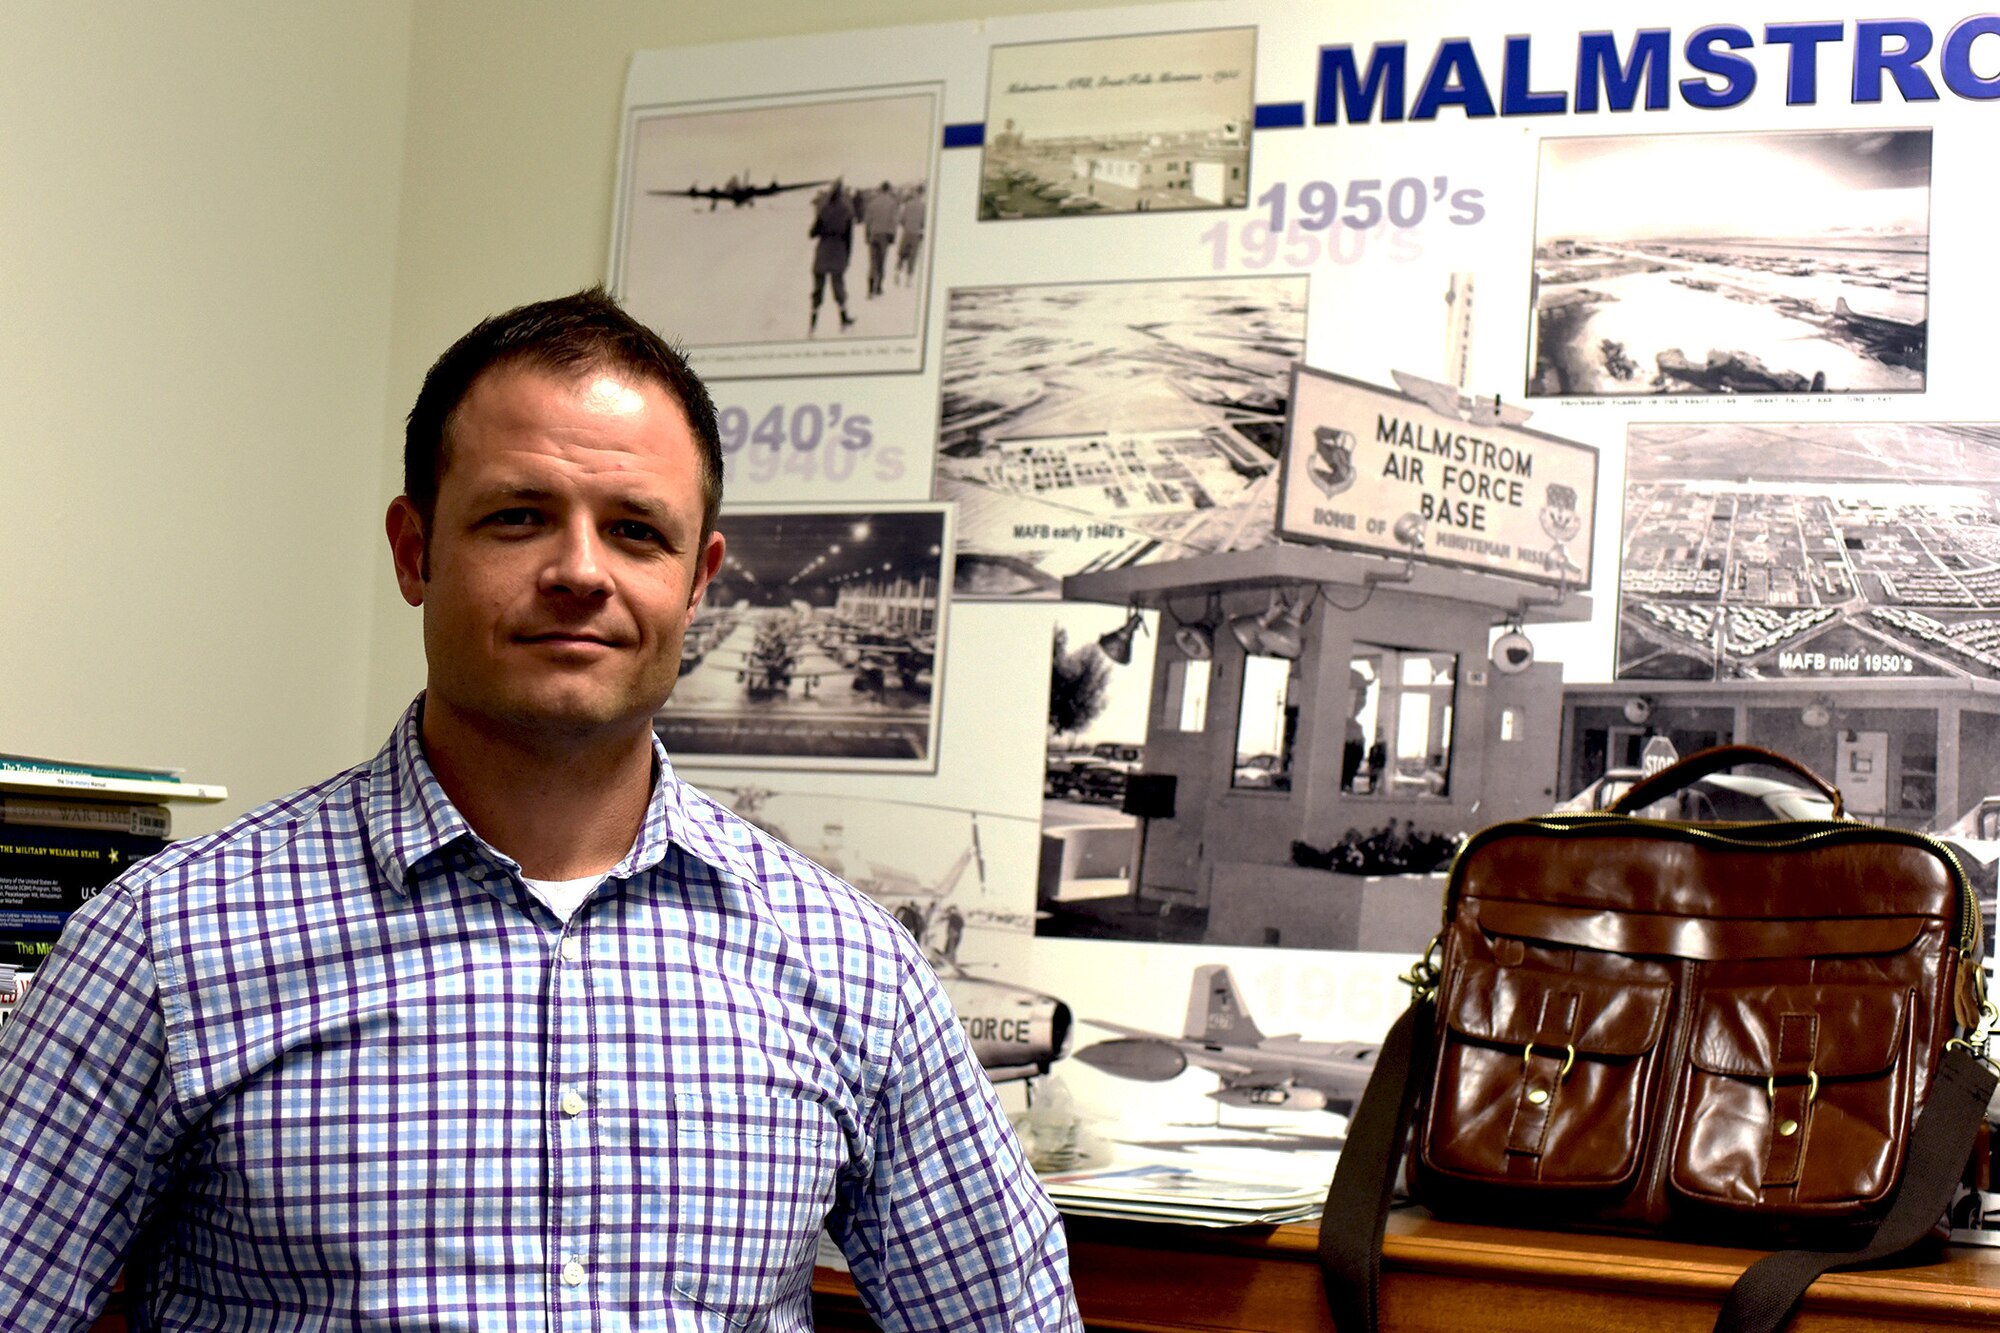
(1810, 551)
(819, 643)
(1194, 1076)
(955, 878)
(1241, 1065)
(1192, 1093)
(782, 236)
(1732, 263)
(1100, 687)
(1307, 761)
(1091, 426)
(1128, 124)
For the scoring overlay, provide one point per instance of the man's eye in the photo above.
(515, 518)
(632, 530)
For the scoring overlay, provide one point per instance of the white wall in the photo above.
(198, 206)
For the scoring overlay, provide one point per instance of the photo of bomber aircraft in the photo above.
(1899, 342)
(1255, 1070)
(738, 191)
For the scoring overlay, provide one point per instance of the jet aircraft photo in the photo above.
(1255, 1070)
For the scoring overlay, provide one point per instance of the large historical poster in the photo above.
(1321, 430)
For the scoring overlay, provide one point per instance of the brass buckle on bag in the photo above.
(1989, 1019)
(1569, 1057)
(1812, 1088)
(1788, 1126)
(1422, 978)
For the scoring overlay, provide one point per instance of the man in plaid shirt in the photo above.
(508, 1029)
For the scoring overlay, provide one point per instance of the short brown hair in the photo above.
(567, 335)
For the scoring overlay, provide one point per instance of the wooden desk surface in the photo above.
(1139, 1278)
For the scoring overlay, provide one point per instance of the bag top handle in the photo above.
(1715, 759)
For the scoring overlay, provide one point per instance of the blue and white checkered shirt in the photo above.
(334, 1068)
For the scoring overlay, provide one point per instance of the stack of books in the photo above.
(67, 830)
(1181, 1194)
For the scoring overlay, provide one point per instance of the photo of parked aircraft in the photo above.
(1732, 263)
(886, 658)
(819, 642)
(808, 648)
(782, 652)
(739, 191)
(1896, 341)
(711, 627)
(1255, 1070)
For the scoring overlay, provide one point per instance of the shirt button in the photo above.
(572, 1103)
(572, 950)
(572, 1273)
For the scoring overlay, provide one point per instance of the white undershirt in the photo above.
(562, 896)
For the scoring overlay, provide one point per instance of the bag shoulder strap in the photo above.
(1364, 1179)
(1940, 1142)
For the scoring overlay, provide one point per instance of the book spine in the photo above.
(152, 821)
(26, 953)
(88, 784)
(47, 873)
(20, 763)
(14, 979)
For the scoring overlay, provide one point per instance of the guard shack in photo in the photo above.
(1347, 704)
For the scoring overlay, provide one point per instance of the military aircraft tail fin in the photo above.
(957, 871)
(1840, 307)
(1216, 1012)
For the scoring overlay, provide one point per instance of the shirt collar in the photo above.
(410, 819)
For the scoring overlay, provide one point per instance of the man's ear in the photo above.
(407, 549)
(705, 566)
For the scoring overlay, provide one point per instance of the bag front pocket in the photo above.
(1542, 1076)
(1795, 1097)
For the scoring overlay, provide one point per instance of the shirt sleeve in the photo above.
(83, 1110)
(950, 1230)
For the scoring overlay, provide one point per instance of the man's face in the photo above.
(566, 556)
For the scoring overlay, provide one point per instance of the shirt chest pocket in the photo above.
(751, 1179)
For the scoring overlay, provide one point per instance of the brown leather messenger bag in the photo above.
(1737, 1033)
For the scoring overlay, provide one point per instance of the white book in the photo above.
(77, 783)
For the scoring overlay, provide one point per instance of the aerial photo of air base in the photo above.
(1759, 263)
(1759, 551)
(1099, 425)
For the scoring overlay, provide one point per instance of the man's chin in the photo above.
(577, 718)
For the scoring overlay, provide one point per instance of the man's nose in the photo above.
(576, 562)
